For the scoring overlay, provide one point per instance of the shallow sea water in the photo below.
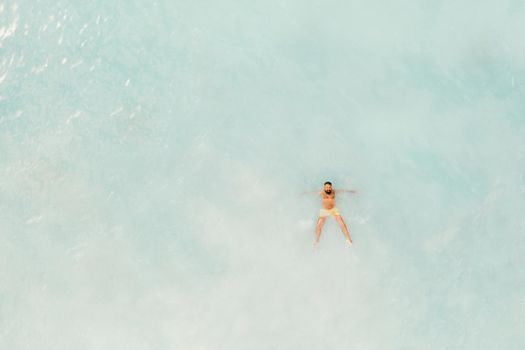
(153, 157)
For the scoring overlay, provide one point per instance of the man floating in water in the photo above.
(329, 208)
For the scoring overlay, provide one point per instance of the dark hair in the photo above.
(328, 183)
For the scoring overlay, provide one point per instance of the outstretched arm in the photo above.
(345, 190)
(310, 192)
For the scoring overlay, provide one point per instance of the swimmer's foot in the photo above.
(349, 241)
(315, 243)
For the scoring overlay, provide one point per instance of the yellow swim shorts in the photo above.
(327, 212)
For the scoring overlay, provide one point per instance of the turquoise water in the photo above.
(153, 156)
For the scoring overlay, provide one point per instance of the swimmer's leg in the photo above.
(320, 223)
(343, 227)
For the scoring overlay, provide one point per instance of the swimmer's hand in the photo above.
(349, 241)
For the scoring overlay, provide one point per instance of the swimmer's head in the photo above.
(328, 187)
